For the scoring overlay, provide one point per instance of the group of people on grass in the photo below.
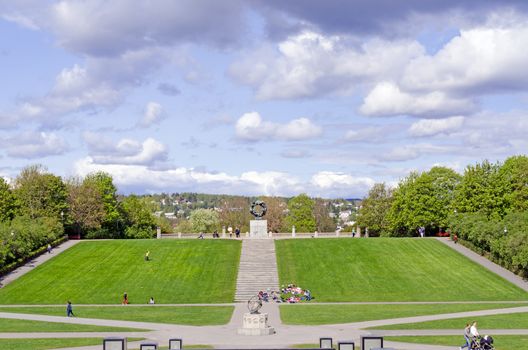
(289, 294)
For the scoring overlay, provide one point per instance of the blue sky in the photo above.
(260, 97)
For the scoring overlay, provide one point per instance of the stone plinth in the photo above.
(258, 228)
(255, 324)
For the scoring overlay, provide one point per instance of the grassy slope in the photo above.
(332, 314)
(181, 271)
(501, 342)
(510, 321)
(387, 270)
(191, 315)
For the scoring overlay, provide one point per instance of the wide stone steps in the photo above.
(257, 269)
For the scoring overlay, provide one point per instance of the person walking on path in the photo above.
(49, 248)
(467, 337)
(69, 309)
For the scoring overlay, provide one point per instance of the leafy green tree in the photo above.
(7, 201)
(204, 220)
(40, 194)
(513, 175)
(480, 191)
(423, 200)
(108, 192)
(235, 212)
(375, 209)
(140, 222)
(300, 214)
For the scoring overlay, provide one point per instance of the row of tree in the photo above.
(487, 207)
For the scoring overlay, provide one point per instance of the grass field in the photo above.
(313, 314)
(387, 269)
(48, 343)
(17, 326)
(99, 272)
(501, 342)
(509, 321)
(185, 315)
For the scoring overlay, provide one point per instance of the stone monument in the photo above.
(258, 228)
(255, 323)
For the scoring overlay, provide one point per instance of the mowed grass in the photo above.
(500, 342)
(314, 314)
(99, 272)
(184, 315)
(17, 326)
(387, 269)
(507, 321)
(47, 343)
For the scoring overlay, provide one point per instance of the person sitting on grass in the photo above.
(151, 301)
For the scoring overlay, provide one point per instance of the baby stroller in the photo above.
(482, 343)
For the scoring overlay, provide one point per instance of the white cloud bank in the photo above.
(251, 127)
(427, 127)
(131, 177)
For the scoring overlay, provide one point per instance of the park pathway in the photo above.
(39, 260)
(257, 269)
(499, 270)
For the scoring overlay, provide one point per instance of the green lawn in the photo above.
(180, 271)
(509, 321)
(387, 269)
(313, 314)
(13, 325)
(186, 315)
(501, 342)
(51, 343)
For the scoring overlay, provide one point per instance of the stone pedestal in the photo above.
(255, 324)
(258, 228)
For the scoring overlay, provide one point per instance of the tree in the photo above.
(40, 194)
(480, 191)
(108, 192)
(204, 220)
(7, 202)
(323, 221)
(86, 208)
(423, 200)
(300, 214)
(275, 212)
(140, 222)
(513, 175)
(375, 209)
(235, 212)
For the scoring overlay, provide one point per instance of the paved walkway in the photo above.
(39, 260)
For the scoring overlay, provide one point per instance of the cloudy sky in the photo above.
(261, 97)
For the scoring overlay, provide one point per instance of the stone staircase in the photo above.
(258, 268)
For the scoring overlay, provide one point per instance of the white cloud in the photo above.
(368, 134)
(21, 20)
(324, 183)
(387, 99)
(427, 127)
(479, 60)
(153, 114)
(30, 145)
(312, 64)
(125, 151)
(251, 127)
